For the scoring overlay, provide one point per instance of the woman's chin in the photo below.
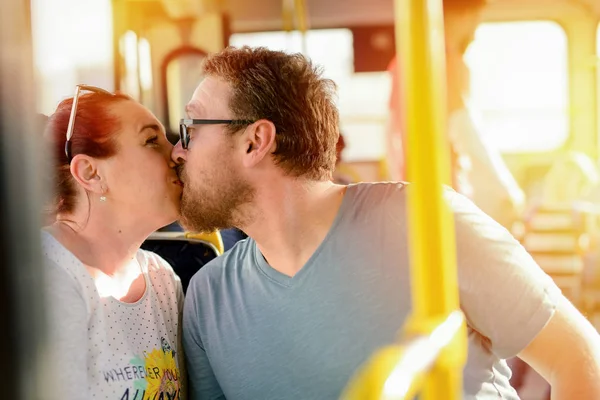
(167, 218)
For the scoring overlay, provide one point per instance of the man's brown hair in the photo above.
(288, 90)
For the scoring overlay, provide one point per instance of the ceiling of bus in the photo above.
(262, 15)
(266, 14)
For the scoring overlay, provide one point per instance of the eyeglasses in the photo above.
(70, 127)
(184, 124)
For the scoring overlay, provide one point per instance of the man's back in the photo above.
(251, 332)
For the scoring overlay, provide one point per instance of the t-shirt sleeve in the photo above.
(203, 384)
(505, 295)
(67, 333)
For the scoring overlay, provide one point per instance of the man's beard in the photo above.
(216, 203)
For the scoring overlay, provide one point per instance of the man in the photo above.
(322, 282)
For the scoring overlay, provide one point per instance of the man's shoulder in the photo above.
(377, 194)
(220, 269)
(394, 190)
(382, 186)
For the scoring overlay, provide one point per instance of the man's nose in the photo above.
(178, 155)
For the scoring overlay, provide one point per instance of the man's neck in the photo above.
(292, 218)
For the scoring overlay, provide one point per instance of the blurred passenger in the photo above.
(115, 309)
(323, 281)
(572, 177)
(478, 169)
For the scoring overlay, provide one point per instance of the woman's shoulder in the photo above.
(164, 281)
(152, 262)
(158, 268)
(57, 258)
(65, 276)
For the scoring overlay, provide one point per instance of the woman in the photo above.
(114, 308)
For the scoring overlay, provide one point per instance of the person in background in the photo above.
(339, 176)
(478, 169)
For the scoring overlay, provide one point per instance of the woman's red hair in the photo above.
(93, 134)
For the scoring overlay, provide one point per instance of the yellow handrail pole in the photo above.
(420, 49)
(296, 11)
(398, 372)
(287, 15)
(302, 15)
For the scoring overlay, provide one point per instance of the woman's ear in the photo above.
(259, 142)
(84, 170)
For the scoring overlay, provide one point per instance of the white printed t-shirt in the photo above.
(103, 348)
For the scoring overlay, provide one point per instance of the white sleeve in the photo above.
(505, 295)
(67, 333)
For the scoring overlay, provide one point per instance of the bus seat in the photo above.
(558, 230)
(589, 214)
(185, 254)
(571, 178)
(231, 236)
(213, 238)
(557, 239)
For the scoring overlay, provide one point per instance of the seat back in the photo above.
(214, 238)
(185, 254)
(556, 239)
(558, 232)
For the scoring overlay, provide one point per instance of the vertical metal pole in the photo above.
(420, 49)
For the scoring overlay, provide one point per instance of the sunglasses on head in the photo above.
(70, 128)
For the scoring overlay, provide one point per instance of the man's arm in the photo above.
(566, 353)
(510, 301)
(202, 383)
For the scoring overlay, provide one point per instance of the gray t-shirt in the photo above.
(251, 332)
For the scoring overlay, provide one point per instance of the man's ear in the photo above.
(85, 171)
(259, 142)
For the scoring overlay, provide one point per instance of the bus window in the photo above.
(63, 59)
(519, 84)
(598, 78)
(362, 97)
(128, 47)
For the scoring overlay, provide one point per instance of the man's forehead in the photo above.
(192, 109)
(212, 95)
